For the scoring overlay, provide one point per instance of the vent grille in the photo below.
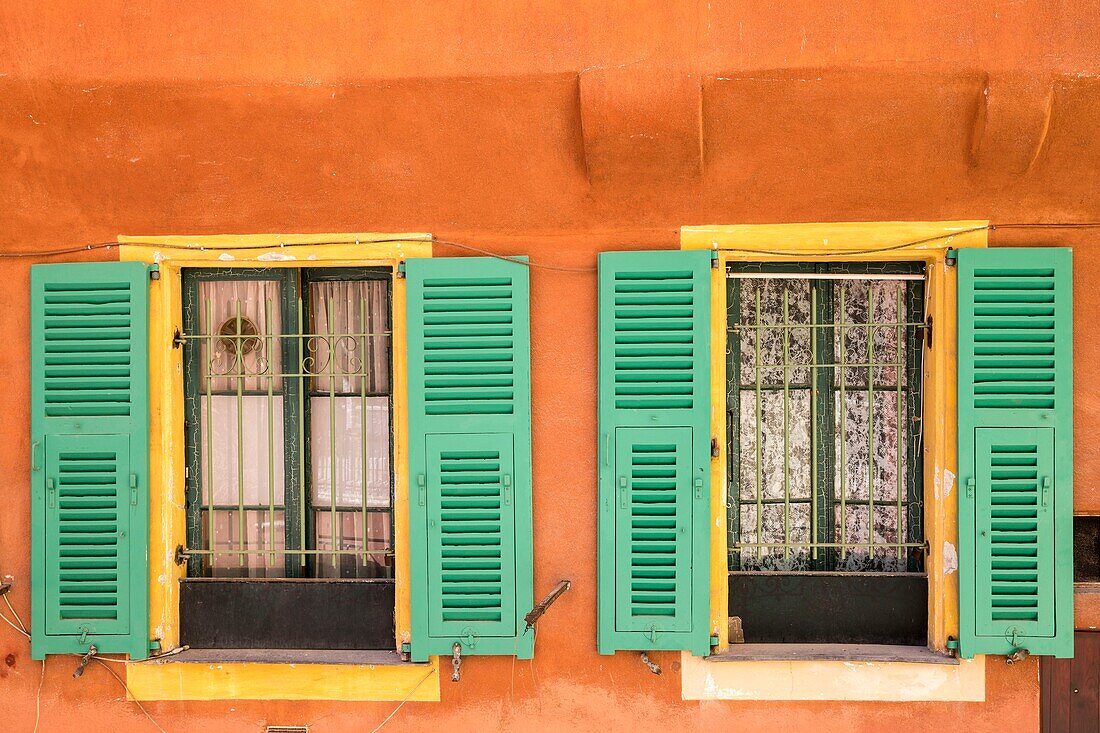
(469, 346)
(472, 485)
(88, 507)
(1014, 338)
(654, 319)
(1014, 532)
(87, 344)
(654, 528)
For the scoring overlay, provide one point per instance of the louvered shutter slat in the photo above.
(1015, 451)
(654, 333)
(470, 455)
(89, 478)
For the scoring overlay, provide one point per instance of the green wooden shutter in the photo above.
(1015, 397)
(89, 458)
(469, 367)
(654, 452)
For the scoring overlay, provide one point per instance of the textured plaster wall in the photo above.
(554, 129)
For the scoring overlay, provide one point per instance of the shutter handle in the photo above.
(507, 480)
(622, 491)
(422, 489)
(51, 493)
(1046, 490)
(970, 488)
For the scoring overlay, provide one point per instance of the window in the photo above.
(289, 444)
(825, 476)
(827, 470)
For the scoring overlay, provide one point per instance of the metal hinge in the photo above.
(154, 272)
(951, 256)
(928, 332)
(400, 269)
(714, 259)
(177, 339)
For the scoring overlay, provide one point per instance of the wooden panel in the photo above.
(1070, 688)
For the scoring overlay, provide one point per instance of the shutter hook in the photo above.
(86, 658)
(653, 666)
(456, 662)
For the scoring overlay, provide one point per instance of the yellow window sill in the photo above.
(220, 675)
(831, 679)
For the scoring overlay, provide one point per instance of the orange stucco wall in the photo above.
(554, 129)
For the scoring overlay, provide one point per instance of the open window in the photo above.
(824, 415)
(289, 443)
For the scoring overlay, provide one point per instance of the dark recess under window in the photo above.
(1086, 549)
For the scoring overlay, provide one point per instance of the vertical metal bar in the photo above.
(362, 409)
(270, 356)
(239, 355)
(843, 425)
(291, 383)
(759, 434)
(823, 406)
(871, 420)
(303, 453)
(334, 528)
(210, 425)
(900, 429)
(814, 437)
(733, 423)
(786, 425)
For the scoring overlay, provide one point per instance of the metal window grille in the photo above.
(288, 406)
(824, 368)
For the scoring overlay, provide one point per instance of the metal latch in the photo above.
(422, 489)
(622, 491)
(970, 488)
(456, 662)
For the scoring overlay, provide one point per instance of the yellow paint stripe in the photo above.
(248, 681)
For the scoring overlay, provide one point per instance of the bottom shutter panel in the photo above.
(471, 536)
(1014, 518)
(87, 534)
(653, 529)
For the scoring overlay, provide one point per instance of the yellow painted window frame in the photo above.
(923, 241)
(169, 680)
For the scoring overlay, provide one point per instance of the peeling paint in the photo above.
(950, 558)
(276, 257)
(226, 257)
(948, 482)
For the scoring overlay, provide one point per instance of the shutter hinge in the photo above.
(952, 644)
(154, 645)
(177, 339)
(951, 257)
(714, 259)
(154, 272)
(714, 640)
(401, 270)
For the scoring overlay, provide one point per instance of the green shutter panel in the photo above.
(1015, 398)
(654, 452)
(89, 458)
(469, 368)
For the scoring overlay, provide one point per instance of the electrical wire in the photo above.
(15, 613)
(539, 265)
(130, 695)
(402, 703)
(38, 697)
(9, 623)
